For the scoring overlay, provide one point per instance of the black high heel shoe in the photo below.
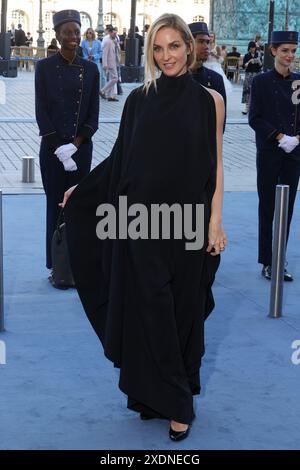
(179, 435)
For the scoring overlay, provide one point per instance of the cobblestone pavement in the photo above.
(19, 136)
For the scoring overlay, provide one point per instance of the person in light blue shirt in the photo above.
(92, 51)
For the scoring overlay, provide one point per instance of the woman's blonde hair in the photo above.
(167, 20)
(93, 33)
(212, 33)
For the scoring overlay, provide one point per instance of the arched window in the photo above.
(112, 18)
(20, 17)
(152, 3)
(143, 19)
(48, 27)
(86, 21)
(198, 18)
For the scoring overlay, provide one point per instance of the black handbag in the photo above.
(62, 277)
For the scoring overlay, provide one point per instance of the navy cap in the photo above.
(199, 28)
(284, 37)
(66, 16)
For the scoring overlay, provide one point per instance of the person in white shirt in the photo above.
(109, 64)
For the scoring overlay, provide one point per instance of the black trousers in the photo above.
(56, 181)
(273, 167)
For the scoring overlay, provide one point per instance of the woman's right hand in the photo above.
(67, 195)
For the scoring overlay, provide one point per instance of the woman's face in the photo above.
(89, 34)
(212, 38)
(285, 54)
(170, 52)
(68, 36)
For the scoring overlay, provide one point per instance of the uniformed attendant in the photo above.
(67, 112)
(275, 117)
(208, 78)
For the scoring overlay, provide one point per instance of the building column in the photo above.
(100, 27)
(41, 40)
(3, 16)
(211, 14)
(287, 15)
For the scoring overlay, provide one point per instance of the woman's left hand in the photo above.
(217, 239)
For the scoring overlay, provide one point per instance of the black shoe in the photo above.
(53, 283)
(179, 435)
(266, 272)
(102, 95)
(287, 276)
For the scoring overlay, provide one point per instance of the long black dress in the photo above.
(147, 299)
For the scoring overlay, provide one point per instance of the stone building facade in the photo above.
(116, 12)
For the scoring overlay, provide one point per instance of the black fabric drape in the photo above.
(147, 299)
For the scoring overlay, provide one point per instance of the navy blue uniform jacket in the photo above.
(211, 79)
(272, 110)
(67, 99)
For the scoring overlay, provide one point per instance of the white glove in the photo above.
(69, 164)
(64, 154)
(65, 151)
(288, 143)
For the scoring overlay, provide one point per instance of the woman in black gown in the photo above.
(147, 299)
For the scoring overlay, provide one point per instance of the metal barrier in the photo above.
(279, 248)
(1, 269)
(28, 170)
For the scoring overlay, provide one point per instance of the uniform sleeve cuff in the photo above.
(53, 140)
(273, 135)
(86, 131)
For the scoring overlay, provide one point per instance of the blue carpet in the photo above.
(57, 391)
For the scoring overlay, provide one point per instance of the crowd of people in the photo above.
(148, 299)
(18, 37)
(252, 63)
(106, 54)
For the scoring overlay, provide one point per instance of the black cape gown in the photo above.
(147, 300)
